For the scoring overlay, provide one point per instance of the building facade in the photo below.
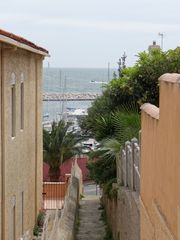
(20, 135)
(160, 164)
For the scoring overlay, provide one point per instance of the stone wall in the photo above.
(123, 214)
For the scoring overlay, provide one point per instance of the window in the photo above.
(13, 110)
(13, 104)
(22, 105)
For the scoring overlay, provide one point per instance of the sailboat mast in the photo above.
(60, 107)
(64, 108)
(108, 71)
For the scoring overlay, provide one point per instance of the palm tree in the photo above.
(127, 126)
(59, 145)
(123, 125)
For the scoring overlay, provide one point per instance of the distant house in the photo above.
(153, 46)
(20, 135)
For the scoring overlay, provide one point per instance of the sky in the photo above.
(91, 33)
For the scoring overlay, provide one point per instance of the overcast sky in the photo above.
(91, 33)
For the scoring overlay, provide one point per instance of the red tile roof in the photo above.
(22, 40)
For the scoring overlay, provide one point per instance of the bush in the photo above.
(41, 218)
(109, 190)
(36, 230)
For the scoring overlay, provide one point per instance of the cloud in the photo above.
(124, 26)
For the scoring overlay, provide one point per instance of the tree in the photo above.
(59, 145)
(149, 67)
(136, 85)
(124, 125)
(109, 122)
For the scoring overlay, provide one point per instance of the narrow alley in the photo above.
(90, 224)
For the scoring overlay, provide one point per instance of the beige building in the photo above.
(20, 135)
(153, 46)
(160, 164)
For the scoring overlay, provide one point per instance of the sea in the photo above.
(72, 80)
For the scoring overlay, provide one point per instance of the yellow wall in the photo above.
(160, 163)
(21, 156)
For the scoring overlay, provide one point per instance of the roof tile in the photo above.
(21, 40)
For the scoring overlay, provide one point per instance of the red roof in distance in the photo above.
(22, 40)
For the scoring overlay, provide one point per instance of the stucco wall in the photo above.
(69, 214)
(160, 163)
(123, 214)
(63, 226)
(21, 156)
(0, 153)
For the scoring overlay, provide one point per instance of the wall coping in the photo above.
(170, 77)
(150, 110)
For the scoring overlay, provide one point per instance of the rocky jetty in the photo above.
(52, 96)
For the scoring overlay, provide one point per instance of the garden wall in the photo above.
(160, 164)
(123, 211)
(123, 214)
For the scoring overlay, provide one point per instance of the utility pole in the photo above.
(162, 39)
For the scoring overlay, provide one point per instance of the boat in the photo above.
(47, 125)
(98, 82)
(46, 115)
(89, 145)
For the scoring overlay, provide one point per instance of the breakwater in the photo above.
(52, 96)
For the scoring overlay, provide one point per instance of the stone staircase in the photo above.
(90, 224)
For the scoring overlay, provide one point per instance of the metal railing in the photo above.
(54, 226)
(54, 194)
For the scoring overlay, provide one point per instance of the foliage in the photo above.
(41, 218)
(36, 230)
(108, 234)
(109, 190)
(137, 85)
(118, 124)
(119, 90)
(99, 108)
(150, 66)
(39, 223)
(114, 117)
(102, 169)
(59, 145)
(123, 125)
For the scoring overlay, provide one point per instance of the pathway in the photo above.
(90, 225)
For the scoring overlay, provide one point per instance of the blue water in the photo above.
(76, 80)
